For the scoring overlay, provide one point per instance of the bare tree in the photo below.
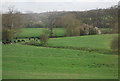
(11, 22)
(70, 23)
(12, 19)
(50, 21)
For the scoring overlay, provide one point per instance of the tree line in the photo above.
(101, 18)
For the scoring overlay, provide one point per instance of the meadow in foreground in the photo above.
(23, 61)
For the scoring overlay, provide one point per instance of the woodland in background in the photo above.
(101, 18)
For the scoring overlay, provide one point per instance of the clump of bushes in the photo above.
(42, 41)
(89, 30)
(44, 38)
(7, 35)
(84, 30)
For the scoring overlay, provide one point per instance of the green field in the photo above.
(100, 42)
(35, 62)
(35, 32)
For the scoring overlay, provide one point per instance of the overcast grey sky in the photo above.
(38, 7)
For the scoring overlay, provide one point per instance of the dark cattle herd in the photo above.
(18, 40)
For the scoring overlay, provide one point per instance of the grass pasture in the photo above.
(98, 42)
(35, 32)
(32, 62)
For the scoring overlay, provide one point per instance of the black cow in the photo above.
(23, 40)
(14, 41)
(18, 40)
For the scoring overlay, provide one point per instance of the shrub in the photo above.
(44, 38)
(7, 35)
(84, 30)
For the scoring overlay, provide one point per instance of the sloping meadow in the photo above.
(99, 43)
(35, 62)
